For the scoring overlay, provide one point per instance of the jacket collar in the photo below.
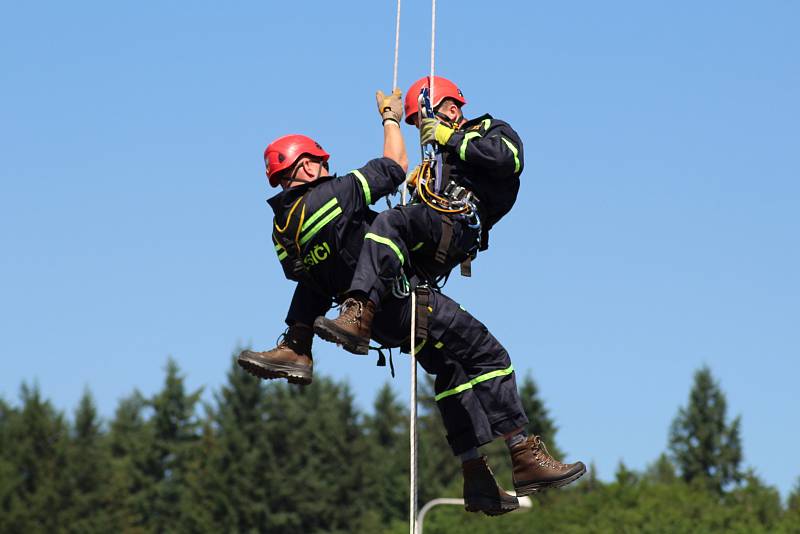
(472, 123)
(286, 198)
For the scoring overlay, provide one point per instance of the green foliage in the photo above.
(540, 423)
(388, 464)
(271, 457)
(89, 474)
(705, 447)
(35, 455)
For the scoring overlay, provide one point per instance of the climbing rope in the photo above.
(396, 46)
(412, 334)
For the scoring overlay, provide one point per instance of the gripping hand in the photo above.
(413, 177)
(390, 107)
(433, 131)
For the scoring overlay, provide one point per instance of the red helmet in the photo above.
(284, 151)
(442, 88)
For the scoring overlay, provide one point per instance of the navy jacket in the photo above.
(485, 156)
(322, 224)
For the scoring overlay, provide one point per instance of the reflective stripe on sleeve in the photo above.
(477, 380)
(388, 243)
(418, 348)
(281, 252)
(462, 151)
(514, 151)
(364, 186)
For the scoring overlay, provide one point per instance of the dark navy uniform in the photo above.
(319, 229)
(475, 384)
(484, 156)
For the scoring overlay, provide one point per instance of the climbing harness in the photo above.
(287, 238)
(451, 200)
(382, 357)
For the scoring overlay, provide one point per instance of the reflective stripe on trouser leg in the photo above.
(385, 251)
(469, 354)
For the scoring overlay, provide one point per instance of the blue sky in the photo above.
(656, 229)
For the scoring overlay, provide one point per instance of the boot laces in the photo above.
(350, 311)
(282, 340)
(542, 455)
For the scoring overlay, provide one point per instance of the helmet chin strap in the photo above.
(294, 179)
(447, 120)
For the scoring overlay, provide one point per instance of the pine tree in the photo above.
(437, 466)
(704, 446)
(9, 477)
(793, 502)
(625, 476)
(661, 471)
(37, 445)
(387, 436)
(175, 438)
(540, 423)
(129, 440)
(240, 455)
(317, 480)
(89, 471)
(200, 497)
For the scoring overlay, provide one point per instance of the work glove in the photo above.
(434, 131)
(413, 177)
(390, 107)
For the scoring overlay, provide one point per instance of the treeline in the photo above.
(269, 457)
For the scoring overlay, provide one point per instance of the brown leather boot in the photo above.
(482, 493)
(352, 329)
(291, 359)
(535, 470)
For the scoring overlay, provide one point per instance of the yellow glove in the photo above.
(390, 107)
(412, 179)
(433, 131)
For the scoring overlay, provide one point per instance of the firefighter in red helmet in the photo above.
(313, 239)
(482, 160)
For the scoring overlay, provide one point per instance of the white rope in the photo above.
(396, 46)
(413, 412)
(413, 419)
(433, 45)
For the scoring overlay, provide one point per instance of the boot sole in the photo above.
(490, 507)
(535, 487)
(327, 330)
(294, 374)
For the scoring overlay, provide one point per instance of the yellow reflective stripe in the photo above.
(280, 251)
(364, 186)
(319, 213)
(486, 123)
(514, 151)
(417, 246)
(439, 345)
(477, 380)
(328, 218)
(419, 347)
(462, 152)
(388, 243)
